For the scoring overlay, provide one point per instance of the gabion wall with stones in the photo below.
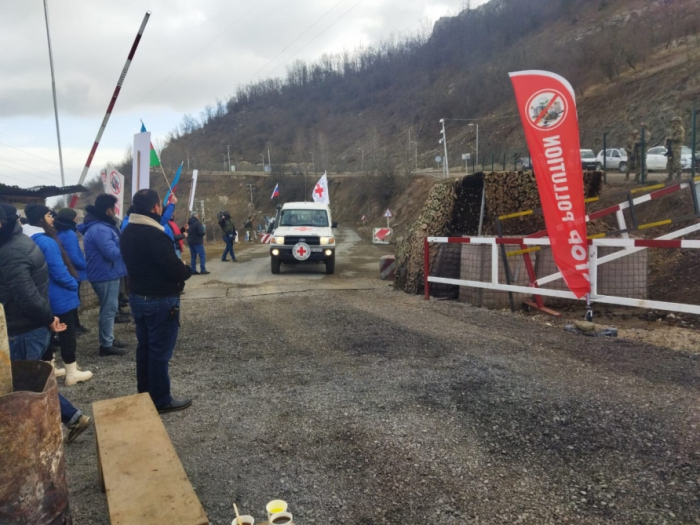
(624, 277)
(476, 266)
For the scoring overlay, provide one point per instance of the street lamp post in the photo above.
(443, 140)
(477, 140)
(262, 156)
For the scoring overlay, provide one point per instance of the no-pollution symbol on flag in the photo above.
(547, 109)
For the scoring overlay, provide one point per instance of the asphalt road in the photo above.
(361, 405)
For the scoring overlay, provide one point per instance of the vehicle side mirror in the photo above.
(334, 224)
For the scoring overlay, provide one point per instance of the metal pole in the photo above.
(228, 152)
(125, 70)
(483, 204)
(493, 160)
(643, 158)
(605, 157)
(269, 162)
(694, 144)
(53, 89)
(477, 144)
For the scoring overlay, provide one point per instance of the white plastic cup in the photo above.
(245, 520)
(281, 518)
(275, 507)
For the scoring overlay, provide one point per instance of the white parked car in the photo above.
(615, 159)
(656, 158)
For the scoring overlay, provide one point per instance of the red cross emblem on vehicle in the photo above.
(301, 251)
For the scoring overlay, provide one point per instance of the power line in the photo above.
(28, 172)
(34, 155)
(296, 39)
(255, 5)
(30, 167)
(318, 35)
(11, 177)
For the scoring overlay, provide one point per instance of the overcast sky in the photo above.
(192, 53)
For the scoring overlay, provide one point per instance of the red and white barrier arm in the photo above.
(110, 107)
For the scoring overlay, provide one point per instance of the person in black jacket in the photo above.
(195, 241)
(24, 294)
(156, 279)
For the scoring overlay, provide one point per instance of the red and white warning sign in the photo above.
(382, 235)
(265, 238)
(301, 251)
(387, 267)
(364, 218)
(388, 214)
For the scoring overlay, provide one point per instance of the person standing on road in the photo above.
(195, 240)
(249, 228)
(156, 279)
(229, 234)
(63, 288)
(24, 293)
(66, 231)
(674, 144)
(105, 267)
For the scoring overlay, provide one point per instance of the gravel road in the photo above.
(373, 407)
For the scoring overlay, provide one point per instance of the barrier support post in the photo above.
(506, 266)
(605, 157)
(426, 270)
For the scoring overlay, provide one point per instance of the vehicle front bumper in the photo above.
(318, 253)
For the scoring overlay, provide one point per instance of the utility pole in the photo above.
(313, 164)
(477, 140)
(224, 160)
(443, 140)
(53, 89)
(251, 189)
(262, 156)
(269, 162)
(228, 152)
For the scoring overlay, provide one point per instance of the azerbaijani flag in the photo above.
(171, 191)
(155, 161)
(276, 192)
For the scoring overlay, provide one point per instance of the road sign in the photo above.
(466, 156)
(388, 214)
(381, 235)
(438, 159)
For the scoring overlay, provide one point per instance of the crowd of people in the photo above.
(135, 264)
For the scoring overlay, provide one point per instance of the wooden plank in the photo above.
(143, 476)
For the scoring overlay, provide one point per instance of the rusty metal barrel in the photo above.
(33, 488)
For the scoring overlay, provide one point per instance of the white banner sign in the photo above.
(141, 163)
(193, 189)
(114, 185)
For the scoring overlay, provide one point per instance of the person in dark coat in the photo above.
(228, 231)
(24, 294)
(105, 267)
(156, 280)
(63, 288)
(66, 229)
(195, 241)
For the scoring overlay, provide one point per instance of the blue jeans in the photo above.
(108, 294)
(229, 248)
(198, 249)
(30, 346)
(157, 322)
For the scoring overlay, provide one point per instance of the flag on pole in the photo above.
(155, 161)
(275, 192)
(175, 181)
(320, 193)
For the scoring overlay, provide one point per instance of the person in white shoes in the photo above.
(63, 286)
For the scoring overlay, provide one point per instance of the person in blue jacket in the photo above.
(105, 267)
(66, 231)
(63, 286)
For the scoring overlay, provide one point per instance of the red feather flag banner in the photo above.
(547, 106)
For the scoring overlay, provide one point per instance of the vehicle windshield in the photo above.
(587, 154)
(318, 218)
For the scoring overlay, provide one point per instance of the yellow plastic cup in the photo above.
(275, 507)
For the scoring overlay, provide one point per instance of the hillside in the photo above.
(377, 110)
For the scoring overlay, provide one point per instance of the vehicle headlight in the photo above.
(327, 240)
(277, 240)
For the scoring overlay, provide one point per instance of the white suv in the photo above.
(615, 159)
(303, 234)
